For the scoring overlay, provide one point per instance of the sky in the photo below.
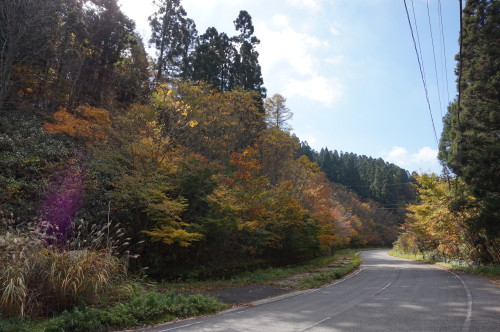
(348, 68)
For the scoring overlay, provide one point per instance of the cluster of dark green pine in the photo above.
(215, 58)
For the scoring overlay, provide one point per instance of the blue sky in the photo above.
(348, 68)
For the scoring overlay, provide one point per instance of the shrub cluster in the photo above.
(149, 309)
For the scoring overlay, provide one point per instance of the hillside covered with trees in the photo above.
(178, 165)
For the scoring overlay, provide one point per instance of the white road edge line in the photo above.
(324, 320)
(313, 325)
(468, 316)
(178, 327)
(311, 291)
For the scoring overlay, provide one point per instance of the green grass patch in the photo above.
(338, 265)
(418, 258)
(485, 271)
(146, 309)
(492, 271)
(317, 279)
(20, 325)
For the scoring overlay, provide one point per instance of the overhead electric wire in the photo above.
(434, 57)
(440, 12)
(460, 77)
(379, 185)
(418, 43)
(443, 45)
(421, 74)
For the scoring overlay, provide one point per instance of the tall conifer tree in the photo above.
(470, 144)
(174, 36)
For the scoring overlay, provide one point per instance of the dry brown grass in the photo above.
(38, 278)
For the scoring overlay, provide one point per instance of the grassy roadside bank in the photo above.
(310, 274)
(151, 303)
(144, 309)
(491, 273)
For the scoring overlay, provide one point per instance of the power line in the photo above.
(443, 44)
(380, 185)
(401, 204)
(418, 42)
(421, 74)
(434, 54)
(460, 76)
(440, 12)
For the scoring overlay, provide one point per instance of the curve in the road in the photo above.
(386, 294)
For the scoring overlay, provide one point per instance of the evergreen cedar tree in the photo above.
(229, 62)
(470, 143)
(214, 58)
(173, 35)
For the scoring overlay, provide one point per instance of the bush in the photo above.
(31, 161)
(148, 309)
(18, 325)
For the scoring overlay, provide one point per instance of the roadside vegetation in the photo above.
(143, 308)
(141, 302)
(491, 272)
(312, 273)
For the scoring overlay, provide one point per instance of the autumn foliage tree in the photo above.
(88, 123)
(433, 229)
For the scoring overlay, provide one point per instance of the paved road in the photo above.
(387, 294)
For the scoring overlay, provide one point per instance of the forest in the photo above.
(180, 165)
(169, 166)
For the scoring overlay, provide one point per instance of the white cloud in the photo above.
(325, 90)
(334, 31)
(311, 4)
(280, 20)
(335, 60)
(425, 155)
(398, 156)
(425, 158)
(311, 139)
(207, 3)
(289, 46)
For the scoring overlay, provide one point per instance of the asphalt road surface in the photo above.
(386, 294)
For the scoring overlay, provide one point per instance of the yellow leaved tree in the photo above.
(140, 159)
(431, 227)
